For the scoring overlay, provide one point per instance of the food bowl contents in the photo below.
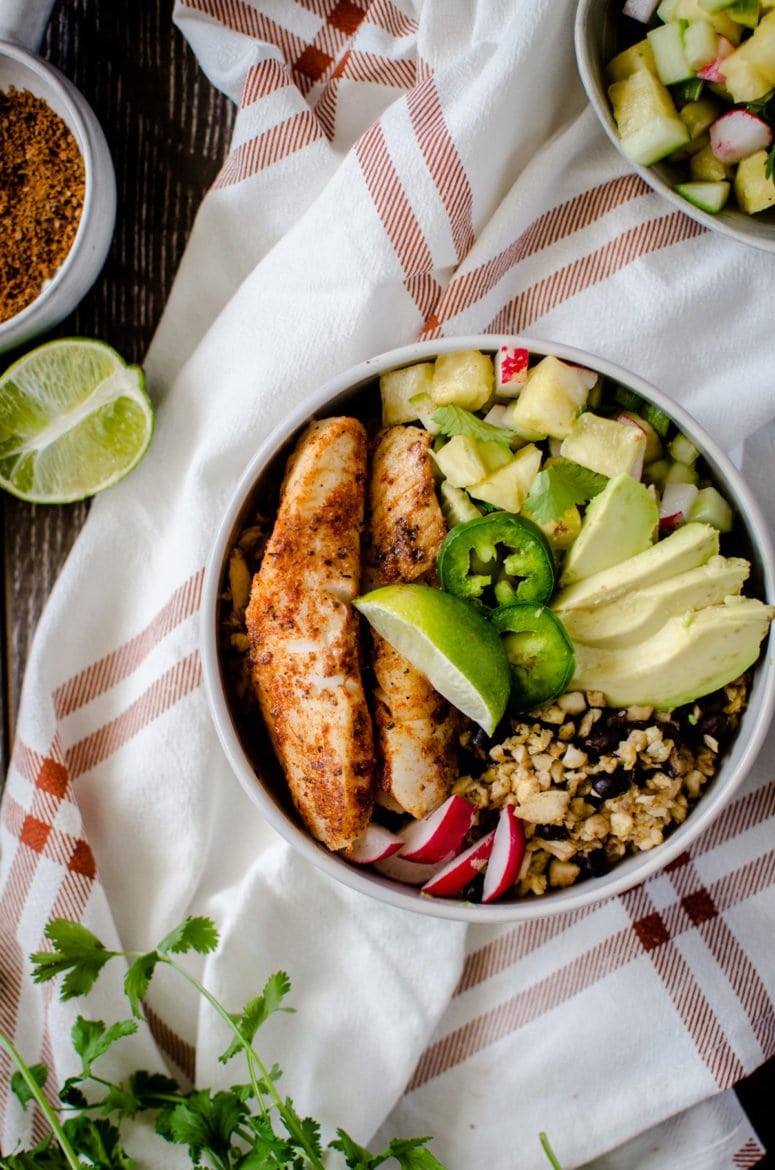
(694, 85)
(42, 190)
(500, 627)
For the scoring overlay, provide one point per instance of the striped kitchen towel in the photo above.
(399, 169)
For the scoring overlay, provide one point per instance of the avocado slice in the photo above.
(691, 545)
(619, 522)
(639, 614)
(688, 657)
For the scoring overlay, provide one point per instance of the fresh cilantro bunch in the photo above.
(247, 1127)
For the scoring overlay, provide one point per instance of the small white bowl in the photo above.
(357, 390)
(597, 42)
(22, 69)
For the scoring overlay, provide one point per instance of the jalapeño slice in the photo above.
(497, 559)
(539, 651)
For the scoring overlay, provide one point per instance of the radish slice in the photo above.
(712, 71)
(409, 873)
(677, 499)
(373, 845)
(438, 834)
(456, 874)
(641, 10)
(508, 849)
(510, 370)
(738, 133)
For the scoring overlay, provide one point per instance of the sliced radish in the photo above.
(438, 834)
(712, 71)
(510, 370)
(409, 873)
(641, 10)
(457, 873)
(508, 849)
(738, 133)
(373, 845)
(677, 499)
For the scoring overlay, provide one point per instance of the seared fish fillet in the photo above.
(304, 635)
(415, 728)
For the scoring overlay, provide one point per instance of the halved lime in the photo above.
(447, 640)
(74, 419)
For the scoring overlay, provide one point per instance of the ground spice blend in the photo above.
(42, 187)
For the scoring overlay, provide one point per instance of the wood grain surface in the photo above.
(168, 131)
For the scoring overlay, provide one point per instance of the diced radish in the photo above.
(457, 873)
(438, 834)
(373, 845)
(712, 71)
(510, 370)
(508, 849)
(409, 873)
(677, 499)
(738, 133)
(641, 10)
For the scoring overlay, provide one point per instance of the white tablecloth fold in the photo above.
(398, 169)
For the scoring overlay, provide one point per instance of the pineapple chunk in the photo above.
(646, 117)
(562, 533)
(753, 63)
(463, 379)
(465, 460)
(508, 486)
(754, 191)
(706, 168)
(605, 445)
(637, 56)
(398, 387)
(722, 23)
(698, 115)
(550, 400)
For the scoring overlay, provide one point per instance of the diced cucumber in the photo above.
(683, 450)
(715, 5)
(710, 197)
(656, 472)
(399, 387)
(657, 417)
(627, 398)
(710, 507)
(681, 473)
(700, 43)
(667, 45)
(667, 10)
(456, 505)
(745, 12)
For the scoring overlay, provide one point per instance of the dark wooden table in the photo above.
(169, 131)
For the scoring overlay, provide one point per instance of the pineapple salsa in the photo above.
(695, 88)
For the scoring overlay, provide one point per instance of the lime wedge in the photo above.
(449, 641)
(74, 419)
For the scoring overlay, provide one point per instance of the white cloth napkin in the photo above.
(398, 169)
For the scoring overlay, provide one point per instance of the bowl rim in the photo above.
(718, 223)
(367, 881)
(82, 122)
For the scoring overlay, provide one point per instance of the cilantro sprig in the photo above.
(560, 485)
(456, 420)
(250, 1126)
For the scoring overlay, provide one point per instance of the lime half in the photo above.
(449, 641)
(74, 419)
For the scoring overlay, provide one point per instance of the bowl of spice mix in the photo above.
(57, 196)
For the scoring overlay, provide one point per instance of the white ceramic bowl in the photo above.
(597, 41)
(22, 69)
(357, 390)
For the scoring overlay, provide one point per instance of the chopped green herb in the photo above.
(558, 487)
(456, 420)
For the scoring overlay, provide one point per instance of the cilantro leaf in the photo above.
(99, 1141)
(46, 1155)
(203, 1122)
(195, 934)
(409, 1153)
(22, 1090)
(456, 420)
(137, 979)
(558, 487)
(91, 1038)
(75, 951)
(258, 1010)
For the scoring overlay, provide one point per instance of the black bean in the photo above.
(610, 784)
(551, 832)
(593, 864)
